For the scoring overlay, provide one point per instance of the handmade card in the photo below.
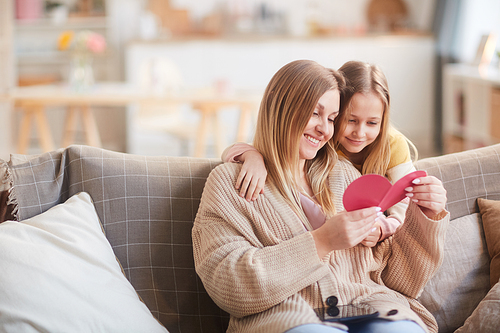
(377, 191)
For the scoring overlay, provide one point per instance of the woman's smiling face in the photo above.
(319, 129)
(363, 123)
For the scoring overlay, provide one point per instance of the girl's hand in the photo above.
(372, 239)
(252, 176)
(345, 230)
(428, 192)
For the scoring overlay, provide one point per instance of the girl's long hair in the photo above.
(287, 105)
(366, 78)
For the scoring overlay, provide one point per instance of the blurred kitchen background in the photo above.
(440, 58)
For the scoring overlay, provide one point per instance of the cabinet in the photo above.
(495, 114)
(471, 107)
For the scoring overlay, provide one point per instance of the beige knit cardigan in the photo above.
(259, 263)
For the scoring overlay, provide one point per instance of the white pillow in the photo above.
(58, 273)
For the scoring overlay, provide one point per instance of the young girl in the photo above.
(363, 135)
(268, 265)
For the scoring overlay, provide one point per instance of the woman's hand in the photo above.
(428, 192)
(252, 176)
(372, 239)
(345, 230)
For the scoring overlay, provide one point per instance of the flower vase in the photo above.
(81, 76)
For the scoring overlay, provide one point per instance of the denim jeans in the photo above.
(376, 325)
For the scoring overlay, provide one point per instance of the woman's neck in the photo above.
(305, 187)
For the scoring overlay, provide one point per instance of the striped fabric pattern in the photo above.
(147, 206)
(466, 176)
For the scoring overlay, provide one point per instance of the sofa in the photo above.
(145, 206)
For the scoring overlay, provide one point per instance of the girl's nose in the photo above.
(359, 131)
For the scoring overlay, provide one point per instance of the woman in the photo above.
(270, 265)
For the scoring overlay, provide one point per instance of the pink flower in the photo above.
(96, 43)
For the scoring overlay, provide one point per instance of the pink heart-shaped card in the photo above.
(377, 191)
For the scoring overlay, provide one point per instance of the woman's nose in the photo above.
(324, 127)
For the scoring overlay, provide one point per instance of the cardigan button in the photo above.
(392, 312)
(332, 301)
(333, 311)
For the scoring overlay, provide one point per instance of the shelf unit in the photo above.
(471, 102)
(38, 59)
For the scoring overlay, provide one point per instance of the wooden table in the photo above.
(31, 101)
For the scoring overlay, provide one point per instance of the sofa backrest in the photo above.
(147, 206)
(466, 176)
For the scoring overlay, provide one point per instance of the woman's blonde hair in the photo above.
(367, 78)
(287, 106)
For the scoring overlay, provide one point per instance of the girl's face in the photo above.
(319, 129)
(363, 123)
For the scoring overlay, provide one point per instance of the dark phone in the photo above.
(347, 313)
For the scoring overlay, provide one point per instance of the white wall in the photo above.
(408, 63)
(6, 75)
(478, 17)
(201, 63)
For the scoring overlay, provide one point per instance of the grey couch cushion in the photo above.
(147, 206)
(463, 279)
